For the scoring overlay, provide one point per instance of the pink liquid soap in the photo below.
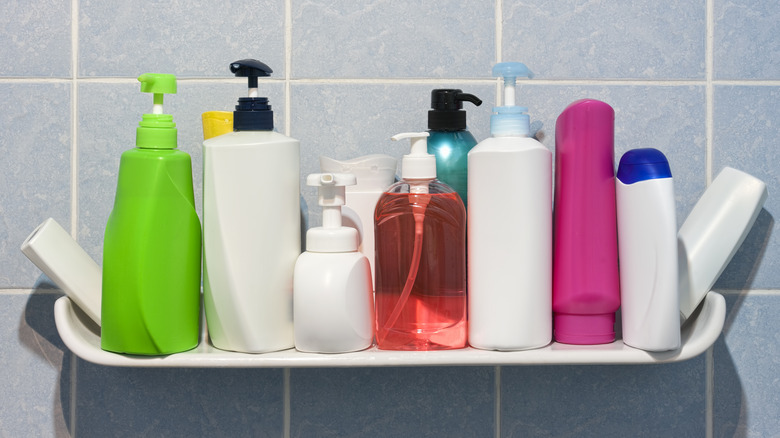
(420, 244)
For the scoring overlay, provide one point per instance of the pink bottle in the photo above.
(586, 284)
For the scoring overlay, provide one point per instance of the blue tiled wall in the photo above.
(699, 80)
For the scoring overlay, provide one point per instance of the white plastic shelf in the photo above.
(82, 336)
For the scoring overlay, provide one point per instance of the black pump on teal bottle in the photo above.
(450, 141)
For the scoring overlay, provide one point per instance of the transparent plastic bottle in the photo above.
(420, 259)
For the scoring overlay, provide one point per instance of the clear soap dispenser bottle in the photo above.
(151, 250)
(333, 300)
(420, 258)
(251, 226)
(510, 229)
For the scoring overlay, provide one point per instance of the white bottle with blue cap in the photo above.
(510, 229)
(647, 245)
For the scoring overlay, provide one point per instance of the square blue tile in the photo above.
(108, 116)
(186, 38)
(746, 394)
(35, 381)
(347, 39)
(604, 400)
(745, 44)
(392, 402)
(573, 39)
(745, 138)
(34, 171)
(181, 402)
(36, 38)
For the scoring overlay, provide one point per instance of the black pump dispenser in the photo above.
(252, 113)
(447, 112)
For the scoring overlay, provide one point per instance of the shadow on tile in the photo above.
(740, 273)
(730, 406)
(38, 333)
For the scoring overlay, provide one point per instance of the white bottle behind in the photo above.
(374, 174)
(333, 302)
(251, 227)
(647, 245)
(510, 231)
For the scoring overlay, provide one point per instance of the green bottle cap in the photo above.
(157, 130)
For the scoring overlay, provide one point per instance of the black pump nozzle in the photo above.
(252, 113)
(447, 112)
(250, 68)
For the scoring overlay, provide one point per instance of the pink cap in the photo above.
(584, 329)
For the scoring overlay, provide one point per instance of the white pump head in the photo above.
(331, 236)
(418, 164)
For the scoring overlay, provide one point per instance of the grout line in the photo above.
(287, 66)
(709, 97)
(709, 391)
(497, 407)
(73, 396)
(709, 122)
(499, 30)
(74, 183)
(419, 81)
(74, 102)
(286, 402)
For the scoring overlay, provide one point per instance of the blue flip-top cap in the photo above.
(643, 164)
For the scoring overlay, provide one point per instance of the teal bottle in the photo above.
(450, 141)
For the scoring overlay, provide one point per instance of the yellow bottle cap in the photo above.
(216, 123)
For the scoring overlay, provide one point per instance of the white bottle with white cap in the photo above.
(333, 304)
(374, 174)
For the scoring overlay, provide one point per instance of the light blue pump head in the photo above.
(510, 120)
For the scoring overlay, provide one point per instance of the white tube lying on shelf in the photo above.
(714, 231)
(54, 252)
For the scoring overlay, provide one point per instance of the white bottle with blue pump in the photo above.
(333, 303)
(510, 229)
(647, 245)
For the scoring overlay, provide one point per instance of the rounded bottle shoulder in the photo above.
(171, 156)
(434, 187)
(509, 144)
(249, 138)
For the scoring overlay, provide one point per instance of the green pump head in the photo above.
(157, 130)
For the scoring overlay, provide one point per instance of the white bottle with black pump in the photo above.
(333, 301)
(251, 226)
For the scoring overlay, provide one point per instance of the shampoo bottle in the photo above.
(450, 141)
(510, 230)
(586, 285)
(647, 244)
(713, 232)
(251, 226)
(374, 174)
(333, 302)
(420, 258)
(152, 245)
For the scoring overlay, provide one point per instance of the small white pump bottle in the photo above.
(510, 230)
(647, 245)
(333, 303)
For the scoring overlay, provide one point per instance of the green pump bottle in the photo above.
(152, 244)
